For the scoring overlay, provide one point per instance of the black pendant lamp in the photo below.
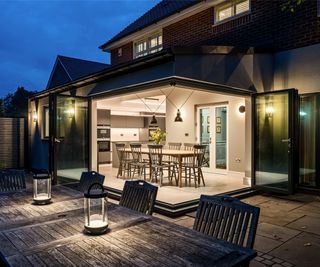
(153, 120)
(178, 117)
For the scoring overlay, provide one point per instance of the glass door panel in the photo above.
(213, 133)
(204, 134)
(308, 128)
(221, 138)
(71, 138)
(274, 140)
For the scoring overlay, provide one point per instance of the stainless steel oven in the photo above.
(103, 132)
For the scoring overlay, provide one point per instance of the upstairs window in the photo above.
(231, 9)
(148, 45)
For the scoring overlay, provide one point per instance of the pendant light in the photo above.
(178, 117)
(153, 120)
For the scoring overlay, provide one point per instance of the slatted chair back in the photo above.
(139, 195)
(120, 150)
(155, 155)
(136, 152)
(227, 218)
(89, 178)
(12, 180)
(199, 154)
(174, 146)
(188, 146)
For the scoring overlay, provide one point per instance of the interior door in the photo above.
(275, 154)
(71, 139)
(213, 132)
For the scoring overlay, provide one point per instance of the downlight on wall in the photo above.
(35, 116)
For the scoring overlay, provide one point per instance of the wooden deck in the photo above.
(52, 235)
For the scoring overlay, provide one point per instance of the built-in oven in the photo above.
(104, 151)
(103, 132)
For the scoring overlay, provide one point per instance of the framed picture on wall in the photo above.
(208, 129)
(218, 129)
(208, 119)
(218, 120)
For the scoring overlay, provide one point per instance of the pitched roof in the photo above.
(68, 69)
(160, 11)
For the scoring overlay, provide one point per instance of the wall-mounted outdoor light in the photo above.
(35, 116)
(71, 111)
(269, 111)
(95, 209)
(242, 109)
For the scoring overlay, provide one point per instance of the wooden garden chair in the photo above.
(139, 195)
(227, 218)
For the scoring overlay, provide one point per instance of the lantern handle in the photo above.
(92, 185)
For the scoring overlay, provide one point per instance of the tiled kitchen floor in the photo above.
(215, 184)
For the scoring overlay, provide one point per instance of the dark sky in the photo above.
(33, 33)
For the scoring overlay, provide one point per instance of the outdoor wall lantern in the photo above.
(269, 111)
(41, 188)
(242, 109)
(35, 116)
(95, 210)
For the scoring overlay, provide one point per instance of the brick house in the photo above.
(227, 67)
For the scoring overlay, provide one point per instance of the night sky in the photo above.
(33, 33)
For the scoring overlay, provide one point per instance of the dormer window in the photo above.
(148, 45)
(231, 9)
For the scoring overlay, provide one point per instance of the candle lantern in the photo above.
(41, 187)
(95, 209)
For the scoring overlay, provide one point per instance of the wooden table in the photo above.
(52, 235)
(179, 154)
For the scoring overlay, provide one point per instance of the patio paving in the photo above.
(288, 233)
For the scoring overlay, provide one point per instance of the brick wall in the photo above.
(266, 26)
(127, 54)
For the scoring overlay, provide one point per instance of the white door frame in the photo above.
(212, 111)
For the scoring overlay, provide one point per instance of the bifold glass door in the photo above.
(71, 138)
(275, 146)
(212, 131)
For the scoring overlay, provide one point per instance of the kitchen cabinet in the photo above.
(126, 122)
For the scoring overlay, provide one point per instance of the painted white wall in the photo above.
(185, 131)
(298, 68)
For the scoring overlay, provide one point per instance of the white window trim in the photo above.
(147, 39)
(234, 16)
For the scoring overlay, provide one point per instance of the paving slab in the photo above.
(281, 204)
(302, 250)
(266, 244)
(276, 232)
(256, 200)
(278, 217)
(307, 224)
(188, 222)
(254, 263)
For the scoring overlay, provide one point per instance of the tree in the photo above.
(291, 5)
(16, 104)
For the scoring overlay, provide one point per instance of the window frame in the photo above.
(233, 4)
(149, 50)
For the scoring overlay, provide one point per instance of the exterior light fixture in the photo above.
(178, 117)
(35, 116)
(41, 188)
(95, 210)
(269, 111)
(242, 109)
(71, 111)
(153, 120)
